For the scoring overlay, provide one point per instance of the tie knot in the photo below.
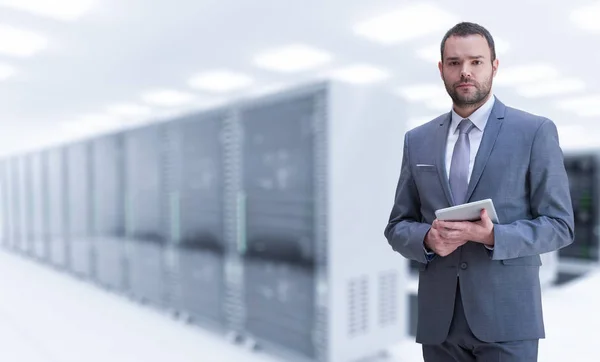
(465, 126)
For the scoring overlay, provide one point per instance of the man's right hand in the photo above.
(439, 245)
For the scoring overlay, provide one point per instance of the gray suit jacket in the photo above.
(519, 165)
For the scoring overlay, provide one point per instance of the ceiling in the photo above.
(118, 51)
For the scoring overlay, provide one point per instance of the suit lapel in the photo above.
(488, 140)
(441, 139)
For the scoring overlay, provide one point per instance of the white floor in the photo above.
(47, 316)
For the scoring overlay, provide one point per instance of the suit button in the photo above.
(463, 265)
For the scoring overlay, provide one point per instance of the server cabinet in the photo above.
(57, 208)
(145, 228)
(582, 169)
(320, 281)
(80, 211)
(39, 200)
(26, 200)
(108, 205)
(195, 197)
(279, 192)
(22, 187)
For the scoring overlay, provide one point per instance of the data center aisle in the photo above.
(48, 316)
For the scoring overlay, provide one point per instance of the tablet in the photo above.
(468, 212)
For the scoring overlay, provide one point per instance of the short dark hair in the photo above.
(464, 29)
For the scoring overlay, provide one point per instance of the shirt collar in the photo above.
(479, 117)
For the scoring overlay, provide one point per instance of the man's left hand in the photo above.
(480, 231)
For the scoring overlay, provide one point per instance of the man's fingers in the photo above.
(451, 225)
(447, 249)
(450, 235)
(485, 217)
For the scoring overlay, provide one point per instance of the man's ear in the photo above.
(495, 67)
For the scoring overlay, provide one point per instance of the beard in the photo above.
(472, 98)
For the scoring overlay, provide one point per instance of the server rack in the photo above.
(145, 226)
(194, 172)
(39, 221)
(57, 208)
(279, 185)
(584, 179)
(108, 221)
(26, 200)
(79, 221)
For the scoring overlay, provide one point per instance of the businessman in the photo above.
(479, 295)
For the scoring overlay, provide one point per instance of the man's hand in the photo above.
(481, 231)
(439, 244)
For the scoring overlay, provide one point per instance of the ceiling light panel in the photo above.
(220, 81)
(406, 23)
(551, 88)
(292, 58)
(587, 17)
(573, 103)
(167, 98)
(90, 124)
(430, 53)
(588, 112)
(18, 42)
(269, 89)
(359, 74)
(522, 74)
(99, 120)
(64, 10)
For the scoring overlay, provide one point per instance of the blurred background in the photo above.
(210, 180)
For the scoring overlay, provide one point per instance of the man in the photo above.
(479, 296)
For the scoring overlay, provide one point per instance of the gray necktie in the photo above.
(459, 169)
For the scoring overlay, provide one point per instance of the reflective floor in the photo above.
(47, 316)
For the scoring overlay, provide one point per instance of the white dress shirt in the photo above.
(479, 119)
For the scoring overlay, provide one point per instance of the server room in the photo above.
(214, 181)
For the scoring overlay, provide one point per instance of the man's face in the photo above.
(467, 69)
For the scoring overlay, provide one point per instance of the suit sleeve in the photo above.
(552, 224)
(404, 231)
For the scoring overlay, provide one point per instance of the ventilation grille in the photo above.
(388, 298)
(358, 308)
